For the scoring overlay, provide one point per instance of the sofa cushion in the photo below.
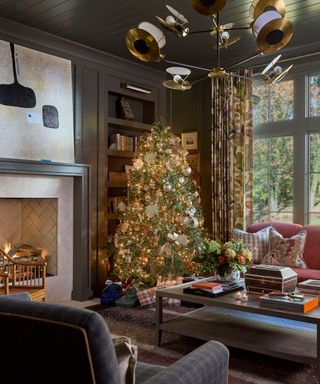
(286, 229)
(257, 242)
(305, 274)
(311, 254)
(286, 251)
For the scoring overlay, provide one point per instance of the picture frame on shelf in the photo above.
(189, 140)
(193, 160)
(124, 110)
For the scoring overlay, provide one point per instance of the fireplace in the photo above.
(45, 205)
(32, 222)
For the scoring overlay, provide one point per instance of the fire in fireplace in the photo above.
(25, 252)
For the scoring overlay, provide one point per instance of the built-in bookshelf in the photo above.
(129, 117)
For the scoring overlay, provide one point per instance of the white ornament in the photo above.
(121, 206)
(195, 222)
(181, 180)
(137, 164)
(184, 152)
(182, 240)
(149, 157)
(151, 210)
(172, 237)
(167, 187)
(187, 171)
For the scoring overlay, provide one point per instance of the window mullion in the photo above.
(300, 190)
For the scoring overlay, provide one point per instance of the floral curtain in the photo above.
(232, 199)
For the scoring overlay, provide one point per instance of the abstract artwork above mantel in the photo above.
(36, 105)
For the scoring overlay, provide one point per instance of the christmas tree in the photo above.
(161, 226)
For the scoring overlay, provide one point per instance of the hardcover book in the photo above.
(206, 285)
(286, 303)
(310, 284)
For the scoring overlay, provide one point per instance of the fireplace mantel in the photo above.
(81, 251)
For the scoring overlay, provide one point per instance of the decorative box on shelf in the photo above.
(266, 278)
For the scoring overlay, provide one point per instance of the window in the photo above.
(286, 163)
(273, 179)
(273, 102)
(314, 179)
(314, 96)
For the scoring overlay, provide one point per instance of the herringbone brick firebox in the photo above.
(32, 222)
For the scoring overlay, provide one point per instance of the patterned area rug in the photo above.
(245, 367)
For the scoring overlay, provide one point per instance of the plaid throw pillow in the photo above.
(286, 251)
(257, 242)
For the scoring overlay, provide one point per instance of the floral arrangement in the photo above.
(223, 259)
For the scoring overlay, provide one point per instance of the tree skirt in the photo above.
(245, 367)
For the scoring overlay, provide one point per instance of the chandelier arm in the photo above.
(244, 60)
(197, 32)
(236, 28)
(186, 65)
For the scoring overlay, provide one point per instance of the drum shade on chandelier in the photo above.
(272, 32)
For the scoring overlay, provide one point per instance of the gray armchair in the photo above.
(53, 343)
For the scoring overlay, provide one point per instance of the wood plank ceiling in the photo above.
(102, 24)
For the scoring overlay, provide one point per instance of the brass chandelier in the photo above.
(271, 30)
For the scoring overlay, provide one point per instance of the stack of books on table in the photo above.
(289, 303)
(310, 286)
(214, 289)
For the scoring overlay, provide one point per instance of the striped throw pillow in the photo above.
(257, 242)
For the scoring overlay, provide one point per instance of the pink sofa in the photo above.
(311, 254)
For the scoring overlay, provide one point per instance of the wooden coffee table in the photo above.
(244, 325)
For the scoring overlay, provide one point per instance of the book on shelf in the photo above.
(286, 303)
(123, 142)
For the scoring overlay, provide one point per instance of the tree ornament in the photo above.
(137, 164)
(149, 157)
(181, 180)
(151, 210)
(182, 240)
(167, 187)
(121, 206)
(187, 171)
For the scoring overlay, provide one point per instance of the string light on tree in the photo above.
(161, 226)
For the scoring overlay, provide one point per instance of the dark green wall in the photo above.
(190, 111)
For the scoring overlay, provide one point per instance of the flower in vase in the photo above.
(223, 259)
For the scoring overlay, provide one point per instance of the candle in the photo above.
(244, 297)
(238, 295)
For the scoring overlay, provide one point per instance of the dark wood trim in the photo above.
(81, 214)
